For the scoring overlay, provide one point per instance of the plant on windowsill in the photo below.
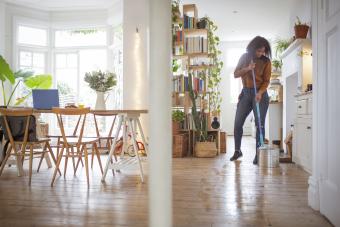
(27, 78)
(178, 117)
(101, 82)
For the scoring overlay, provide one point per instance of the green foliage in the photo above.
(199, 118)
(64, 88)
(27, 77)
(298, 22)
(5, 71)
(281, 45)
(84, 31)
(214, 78)
(175, 10)
(277, 64)
(31, 82)
(175, 66)
(100, 81)
(178, 115)
(6, 74)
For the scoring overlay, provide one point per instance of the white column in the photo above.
(2, 27)
(135, 44)
(160, 155)
(313, 181)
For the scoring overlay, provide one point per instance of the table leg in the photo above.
(112, 147)
(142, 135)
(135, 148)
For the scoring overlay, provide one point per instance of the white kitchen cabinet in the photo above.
(302, 133)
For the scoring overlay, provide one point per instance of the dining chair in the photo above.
(75, 147)
(20, 130)
(108, 139)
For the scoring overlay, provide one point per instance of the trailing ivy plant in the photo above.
(215, 70)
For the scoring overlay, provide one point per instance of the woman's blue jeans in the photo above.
(245, 105)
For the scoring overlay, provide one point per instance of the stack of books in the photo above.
(189, 22)
(181, 84)
(197, 44)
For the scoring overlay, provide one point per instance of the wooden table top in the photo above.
(105, 112)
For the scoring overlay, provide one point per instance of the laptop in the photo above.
(45, 99)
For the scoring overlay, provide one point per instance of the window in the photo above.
(32, 61)
(32, 36)
(82, 37)
(233, 56)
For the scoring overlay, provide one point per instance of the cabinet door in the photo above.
(303, 136)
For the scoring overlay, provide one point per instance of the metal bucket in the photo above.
(269, 156)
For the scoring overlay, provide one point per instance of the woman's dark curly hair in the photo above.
(257, 43)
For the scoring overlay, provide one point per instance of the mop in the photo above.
(262, 146)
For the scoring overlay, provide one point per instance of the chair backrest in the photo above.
(81, 112)
(18, 124)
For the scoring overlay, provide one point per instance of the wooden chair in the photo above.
(108, 138)
(15, 145)
(75, 147)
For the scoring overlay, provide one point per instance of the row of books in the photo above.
(197, 44)
(181, 84)
(189, 22)
(179, 36)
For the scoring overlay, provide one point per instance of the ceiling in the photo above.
(243, 19)
(64, 5)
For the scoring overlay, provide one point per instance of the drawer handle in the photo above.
(309, 127)
(300, 107)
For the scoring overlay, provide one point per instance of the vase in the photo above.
(100, 102)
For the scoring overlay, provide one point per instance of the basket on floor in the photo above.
(205, 149)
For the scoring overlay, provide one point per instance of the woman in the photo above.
(258, 58)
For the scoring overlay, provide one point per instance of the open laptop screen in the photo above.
(45, 99)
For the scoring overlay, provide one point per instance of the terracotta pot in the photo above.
(175, 127)
(301, 31)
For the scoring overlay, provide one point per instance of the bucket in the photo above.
(269, 156)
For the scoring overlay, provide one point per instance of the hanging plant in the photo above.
(215, 70)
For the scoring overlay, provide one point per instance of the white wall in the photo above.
(135, 55)
(302, 9)
(135, 16)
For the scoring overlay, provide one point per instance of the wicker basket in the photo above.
(301, 31)
(205, 149)
(180, 145)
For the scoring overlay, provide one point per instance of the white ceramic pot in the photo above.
(100, 102)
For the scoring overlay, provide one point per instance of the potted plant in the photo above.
(277, 65)
(178, 117)
(203, 147)
(27, 78)
(101, 82)
(301, 29)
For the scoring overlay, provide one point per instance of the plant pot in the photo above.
(301, 31)
(205, 149)
(202, 24)
(100, 102)
(176, 126)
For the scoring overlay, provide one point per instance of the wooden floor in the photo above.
(206, 192)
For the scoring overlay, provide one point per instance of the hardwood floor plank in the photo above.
(206, 193)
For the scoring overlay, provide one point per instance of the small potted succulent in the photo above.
(101, 82)
(178, 117)
(301, 29)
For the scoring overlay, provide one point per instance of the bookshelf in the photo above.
(191, 54)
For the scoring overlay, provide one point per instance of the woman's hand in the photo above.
(258, 97)
(251, 66)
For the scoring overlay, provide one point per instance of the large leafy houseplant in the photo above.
(27, 78)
